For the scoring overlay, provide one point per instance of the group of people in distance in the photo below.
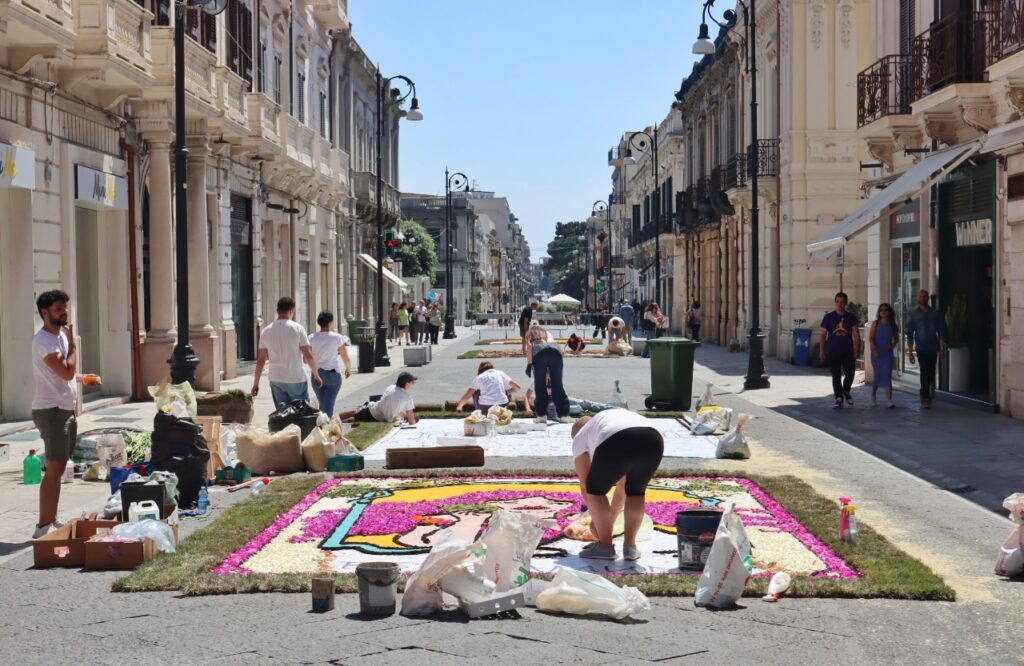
(417, 322)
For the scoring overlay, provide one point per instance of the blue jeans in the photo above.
(327, 394)
(285, 392)
(545, 362)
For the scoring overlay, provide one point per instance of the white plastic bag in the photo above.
(164, 392)
(710, 420)
(161, 533)
(707, 399)
(729, 564)
(510, 539)
(111, 451)
(733, 444)
(581, 593)
(1011, 555)
(423, 594)
(617, 399)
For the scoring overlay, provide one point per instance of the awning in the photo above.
(901, 191)
(371, 263)
(1007, 136)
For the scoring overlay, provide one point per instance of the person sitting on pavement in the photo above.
(622, 449)
(489, 388)
(543, 353)
(396, 402)
(574, 345)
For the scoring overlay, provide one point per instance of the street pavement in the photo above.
(900, 466)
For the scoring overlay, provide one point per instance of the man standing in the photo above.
(840, 342)
(627, 314)
(286, 345)
(54, 360)
(525, 317)
(927, 330)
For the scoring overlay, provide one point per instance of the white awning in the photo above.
(901, 191)
(388, 275)
(1007, 136)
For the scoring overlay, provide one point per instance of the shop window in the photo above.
(1015, 187)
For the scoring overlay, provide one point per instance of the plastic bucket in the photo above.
(695, 532)
(378, 584)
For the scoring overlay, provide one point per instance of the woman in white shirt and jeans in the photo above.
(327, 347)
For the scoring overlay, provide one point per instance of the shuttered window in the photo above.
(300, 97)
(277, 78)
(906, 26)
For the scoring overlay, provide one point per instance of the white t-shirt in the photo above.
(605, 424)
(421, 313)
(51, 390)
(392, 402)
(493, 385)
(325, 349)
(283, 340)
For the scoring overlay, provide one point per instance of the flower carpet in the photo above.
(344, 522)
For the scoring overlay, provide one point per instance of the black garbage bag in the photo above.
(179, 447)
(299, 412)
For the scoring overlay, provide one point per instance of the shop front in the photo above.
(905, 274)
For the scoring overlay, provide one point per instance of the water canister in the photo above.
(801, 346)
(695, 532)
(145, 510)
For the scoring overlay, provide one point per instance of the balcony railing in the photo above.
(736, 171)
(616, 198)
(615, 155)
(888, 87)
(1008, 38)
(765, 158)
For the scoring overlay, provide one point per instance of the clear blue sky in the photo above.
(526, 96)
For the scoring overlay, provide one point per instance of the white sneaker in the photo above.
(46, 529)
(540, 419)
(566, 419)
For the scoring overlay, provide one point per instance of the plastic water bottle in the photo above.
(258, 486)
(32, 469)
(204, 499)
(617, 399)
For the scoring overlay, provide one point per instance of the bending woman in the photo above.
(544, 355)
(492, 387)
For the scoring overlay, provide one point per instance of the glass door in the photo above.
(905, 282)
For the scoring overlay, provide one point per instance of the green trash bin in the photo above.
(671, 373)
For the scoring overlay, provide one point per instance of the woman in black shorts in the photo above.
(618, 448)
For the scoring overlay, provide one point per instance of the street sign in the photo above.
(599, 287)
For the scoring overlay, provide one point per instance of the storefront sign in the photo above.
(906, 222)
(17, 167)
(304, 247)
(324, 254)
(98, 189)
(973, 232)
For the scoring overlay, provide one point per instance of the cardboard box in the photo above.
(346, 463)
(114, 555)
(65, 547)
(435, 456)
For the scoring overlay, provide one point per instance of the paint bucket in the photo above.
(378, 584)
(323, 595)
(695, 532)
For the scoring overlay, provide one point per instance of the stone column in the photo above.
(198, 239)
(161, 240)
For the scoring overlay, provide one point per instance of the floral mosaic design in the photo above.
(345, 521)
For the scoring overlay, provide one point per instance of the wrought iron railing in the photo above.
(888, 87)
(736, 171)
(765, 158)
(1007, 37)
(616, 198)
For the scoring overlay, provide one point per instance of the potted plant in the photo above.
(956, 344)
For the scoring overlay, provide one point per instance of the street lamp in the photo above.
(458, 180)
(642, 141)
(756, 377)
(396, 97)
(601, 206)
(183, 360)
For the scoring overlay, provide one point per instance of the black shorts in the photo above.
(364, 415)
(634, 453)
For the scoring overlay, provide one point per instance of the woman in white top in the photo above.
(327, 347)
(492, 387)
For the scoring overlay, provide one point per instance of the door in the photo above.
(88, 293)
(905, 282)
(242, 305)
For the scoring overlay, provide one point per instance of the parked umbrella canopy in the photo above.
(563, 299)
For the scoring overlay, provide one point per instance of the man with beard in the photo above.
(54, 360)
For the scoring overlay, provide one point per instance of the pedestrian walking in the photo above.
(330, 349)
(285, 345)
(403, 323)
(489, 388)
(656, 324)
(840, 344)
(433, 323)
(628, 316)
(393, 322)
(544, 357)
(927, 331)
(693, 320)
(54, 361)
(600, 324)
(525, 318)
(420, 323)
(883, 338)
(617, 449)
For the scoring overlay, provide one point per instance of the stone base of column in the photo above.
(155, 352)
(208, 374)
(229, 353)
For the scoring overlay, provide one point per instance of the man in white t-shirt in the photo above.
(54, 361)
(285, 344)
(395, 402)
(490, 387)
(617, 448)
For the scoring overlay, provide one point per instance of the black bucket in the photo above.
(695, 532)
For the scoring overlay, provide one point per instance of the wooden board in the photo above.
(435, 456)
(211, 432)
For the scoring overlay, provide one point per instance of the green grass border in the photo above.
(887, 572)
(481, 354)
(496, 342)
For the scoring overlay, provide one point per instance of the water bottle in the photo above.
(32, 469)
(617, 399)
(258, 486)
(204, 499)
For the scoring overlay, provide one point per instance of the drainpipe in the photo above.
(291, 60)
(133, 267)
(778, 183)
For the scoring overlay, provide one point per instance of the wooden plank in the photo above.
(435, 456)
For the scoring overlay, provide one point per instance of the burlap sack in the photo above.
(314, 451)
(263, 452)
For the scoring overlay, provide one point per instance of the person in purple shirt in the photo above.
(840, 346)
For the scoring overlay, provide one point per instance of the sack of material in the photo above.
(729, 564)
(423, 594)
(511, 539)
(733, 444)
(1011, 555)
(314, 451)
(264, 452)
(111, 451)
(710, 420)
(580, 593)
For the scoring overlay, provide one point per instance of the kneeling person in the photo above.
(394, 403)
(489, 388)
(615, 447)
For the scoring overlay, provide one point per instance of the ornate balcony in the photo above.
(765, 158)
(332, 14)
(615, 156)
(200, 64)
(888, 88)
(30, 23)
(364, 189)
(736, 171)
(264, 131)
(232, 92)
(115, 37)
